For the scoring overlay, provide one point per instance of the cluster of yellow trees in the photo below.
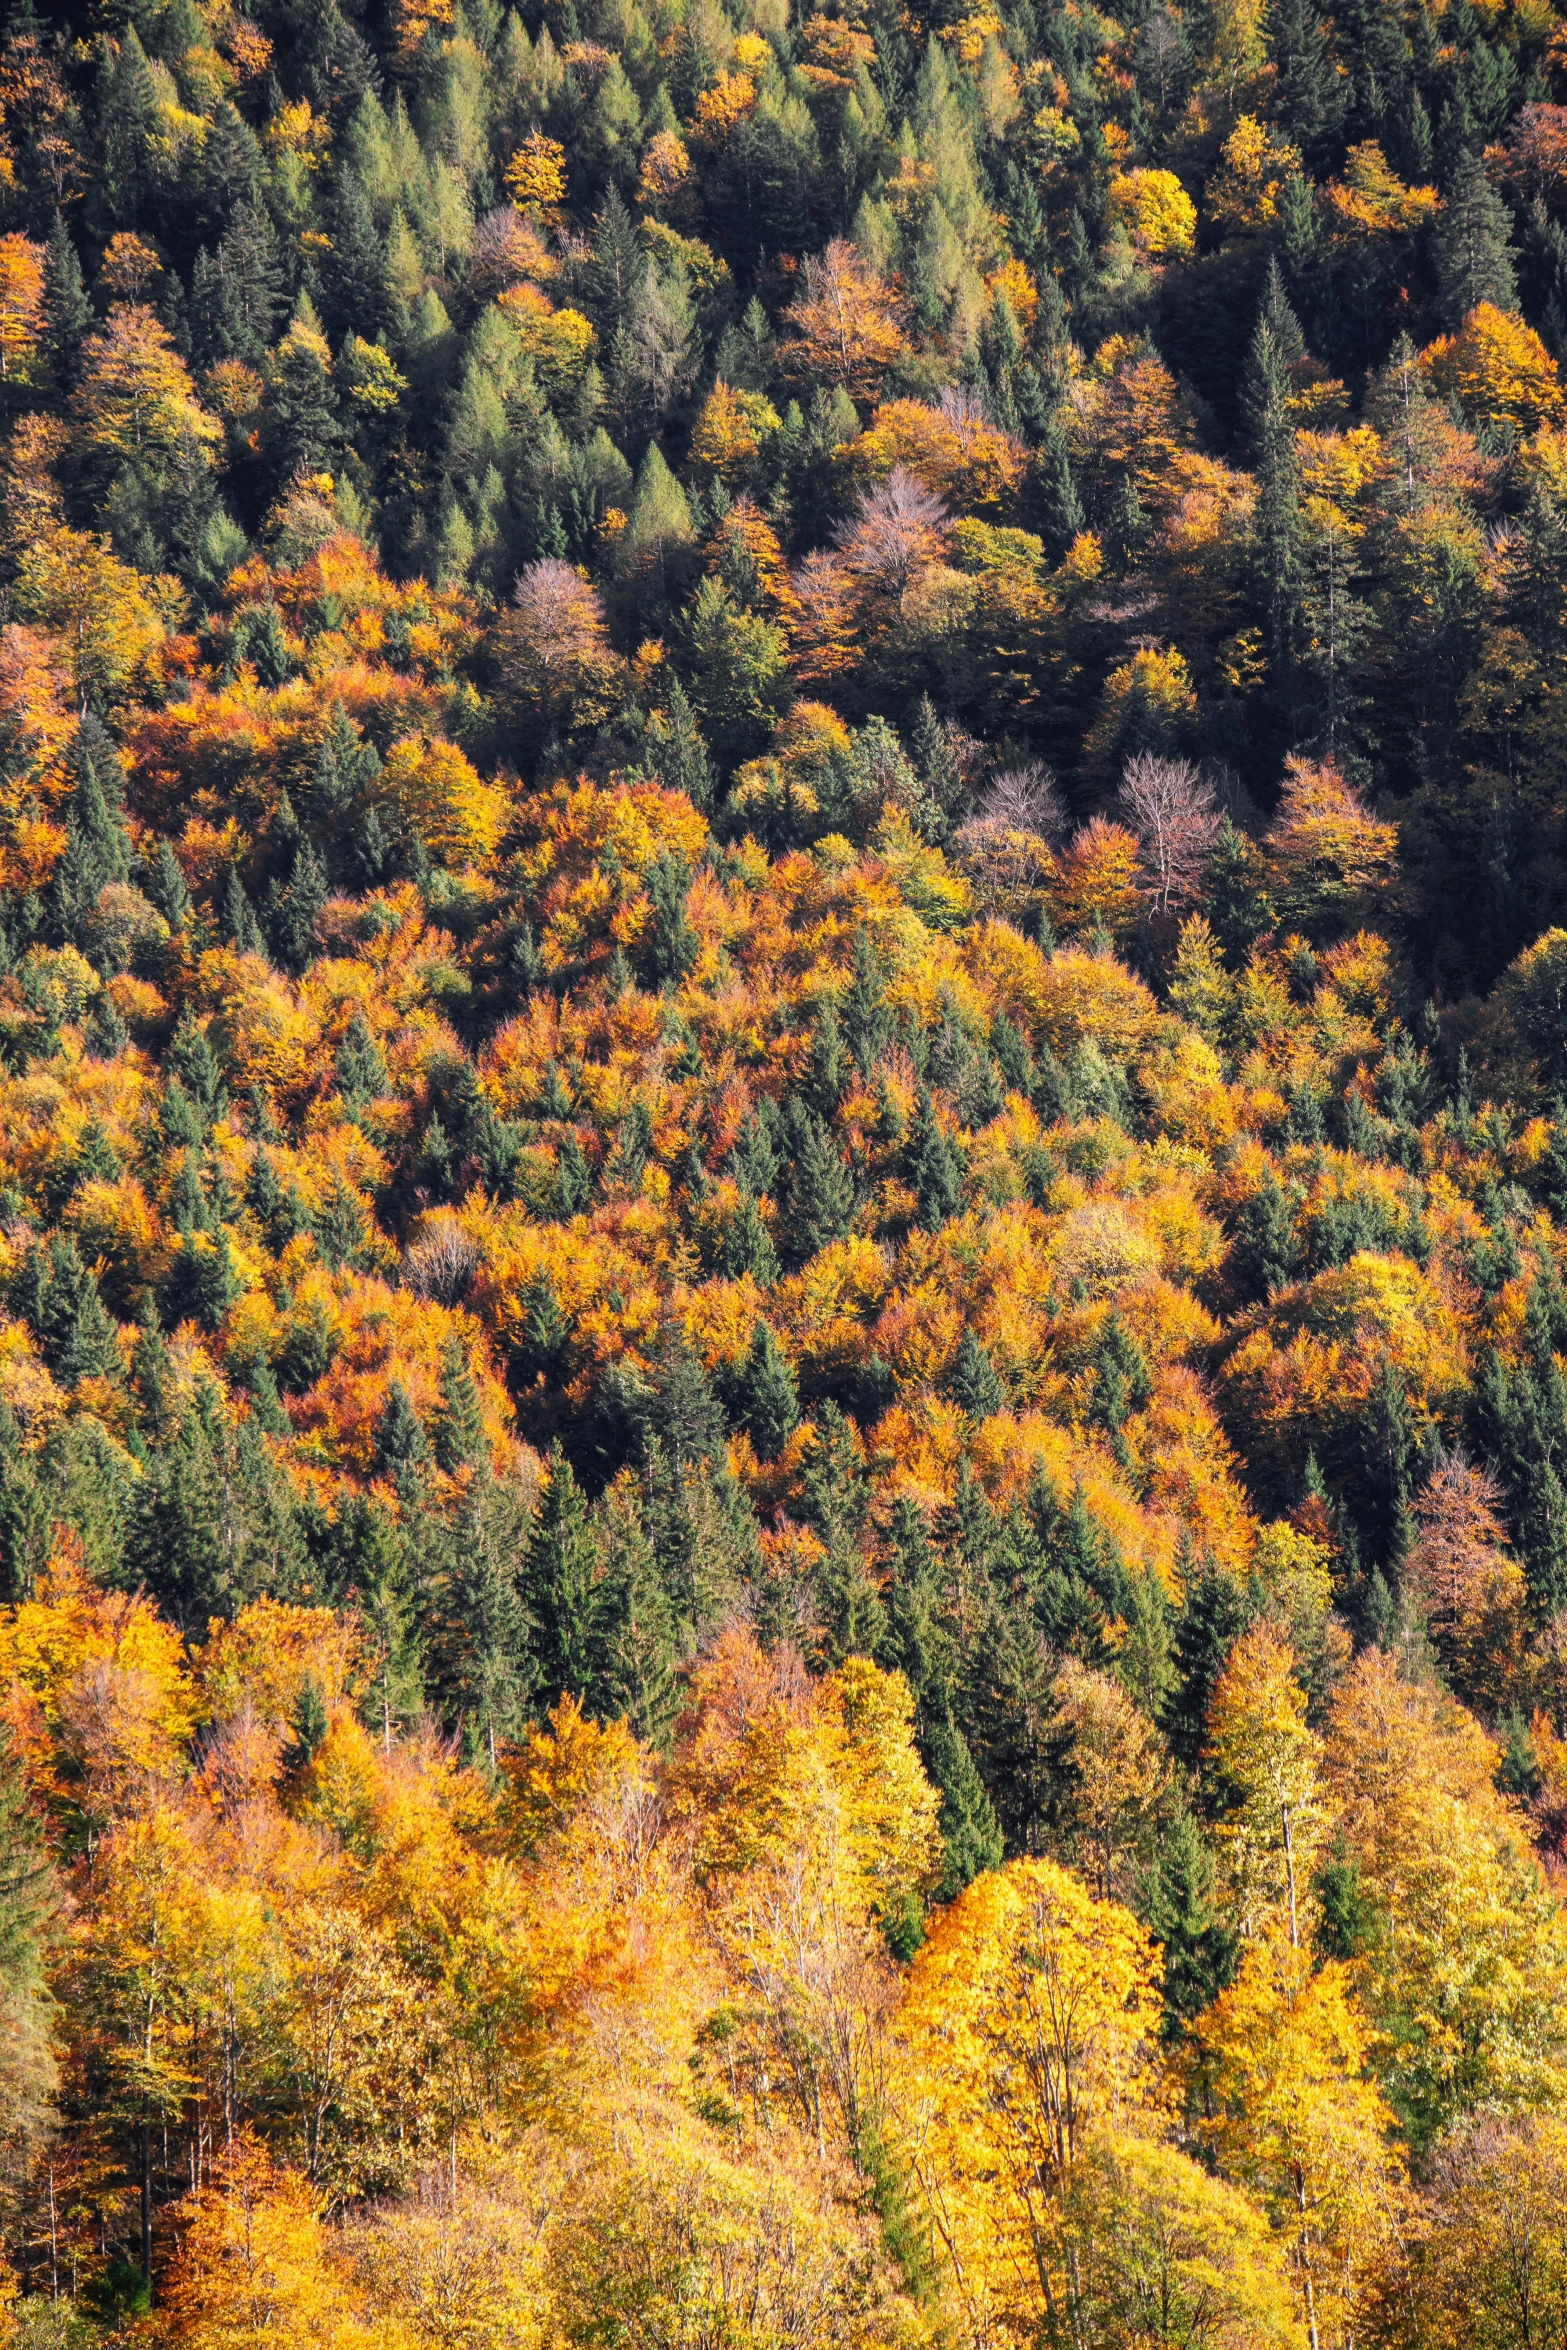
(619, 2042)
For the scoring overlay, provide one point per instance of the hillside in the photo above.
(783, 1176)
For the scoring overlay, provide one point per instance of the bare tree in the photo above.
(1174, 812)
(1025, 798)
(1461, 1571)
(1007, 847)
(554, 647)
(899, 532)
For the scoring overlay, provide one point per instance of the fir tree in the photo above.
(1181, 1909)
(563, 1587)
(767, 1403)
(1472, 246)
(970, 1832)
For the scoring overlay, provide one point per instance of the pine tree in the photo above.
(564, 1597)
(1472, 246)
(970, 1831)
(1182, 1913)
(767, 1402)
(974, 1380)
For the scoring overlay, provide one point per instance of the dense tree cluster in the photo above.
(783, 1175)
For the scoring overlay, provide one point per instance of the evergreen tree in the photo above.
(933, 1167)
(563, 1588)
(828, 1072)
(481, 1664)
(637, 1637)
(1181, 1910)
(460, 1441)
(1214, 1612)
(767, 1403)
(974, 1380)
(1472, 245)
(818, 1200)
(970, 1831)
(915, 1641)
(401, 1444)
(67, 313)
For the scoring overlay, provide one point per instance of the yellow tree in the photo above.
(845, 323)
(253, 2266)
(1295, 2121)
(21, 306)
(1490, 2261)
(1464, 1962)
(1029, 2027)
(1117, 1758)
(1267, 1761)
(1163, 2255)
(135, 397)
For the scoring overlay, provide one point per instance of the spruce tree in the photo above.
(933, 1167)
(562, 1581)
(974, 1380)
(67, 313)
(1472, 246)
(1181, 1910)
(767, 1402)
(637, 1637)
(459, 1436)
(970, 1831)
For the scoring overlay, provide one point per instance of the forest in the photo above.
(783, 1175)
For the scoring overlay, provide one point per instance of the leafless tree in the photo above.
(1025, 798)
(555, 650)
(899, 532)
(442, 1262)
(1174, 811)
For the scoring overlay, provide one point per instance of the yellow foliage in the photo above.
(1499, 371)
(1155, 211)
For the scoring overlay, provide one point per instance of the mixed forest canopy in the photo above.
(783, 1175)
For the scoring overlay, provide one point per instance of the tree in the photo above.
(1027, 2027)
(1175, 815)
(1297, 2123)
(844, 324)
(555, 650)
(1472, 244)
(562, 1581)
(767, 1400)
(1465, 1954)
(1461, 1574)
(1114, 1754)
(22, 299)
(253, 2260)
(1267, 1762)
(1157, 2251)
(1489, 2265)
(1182, 1912)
